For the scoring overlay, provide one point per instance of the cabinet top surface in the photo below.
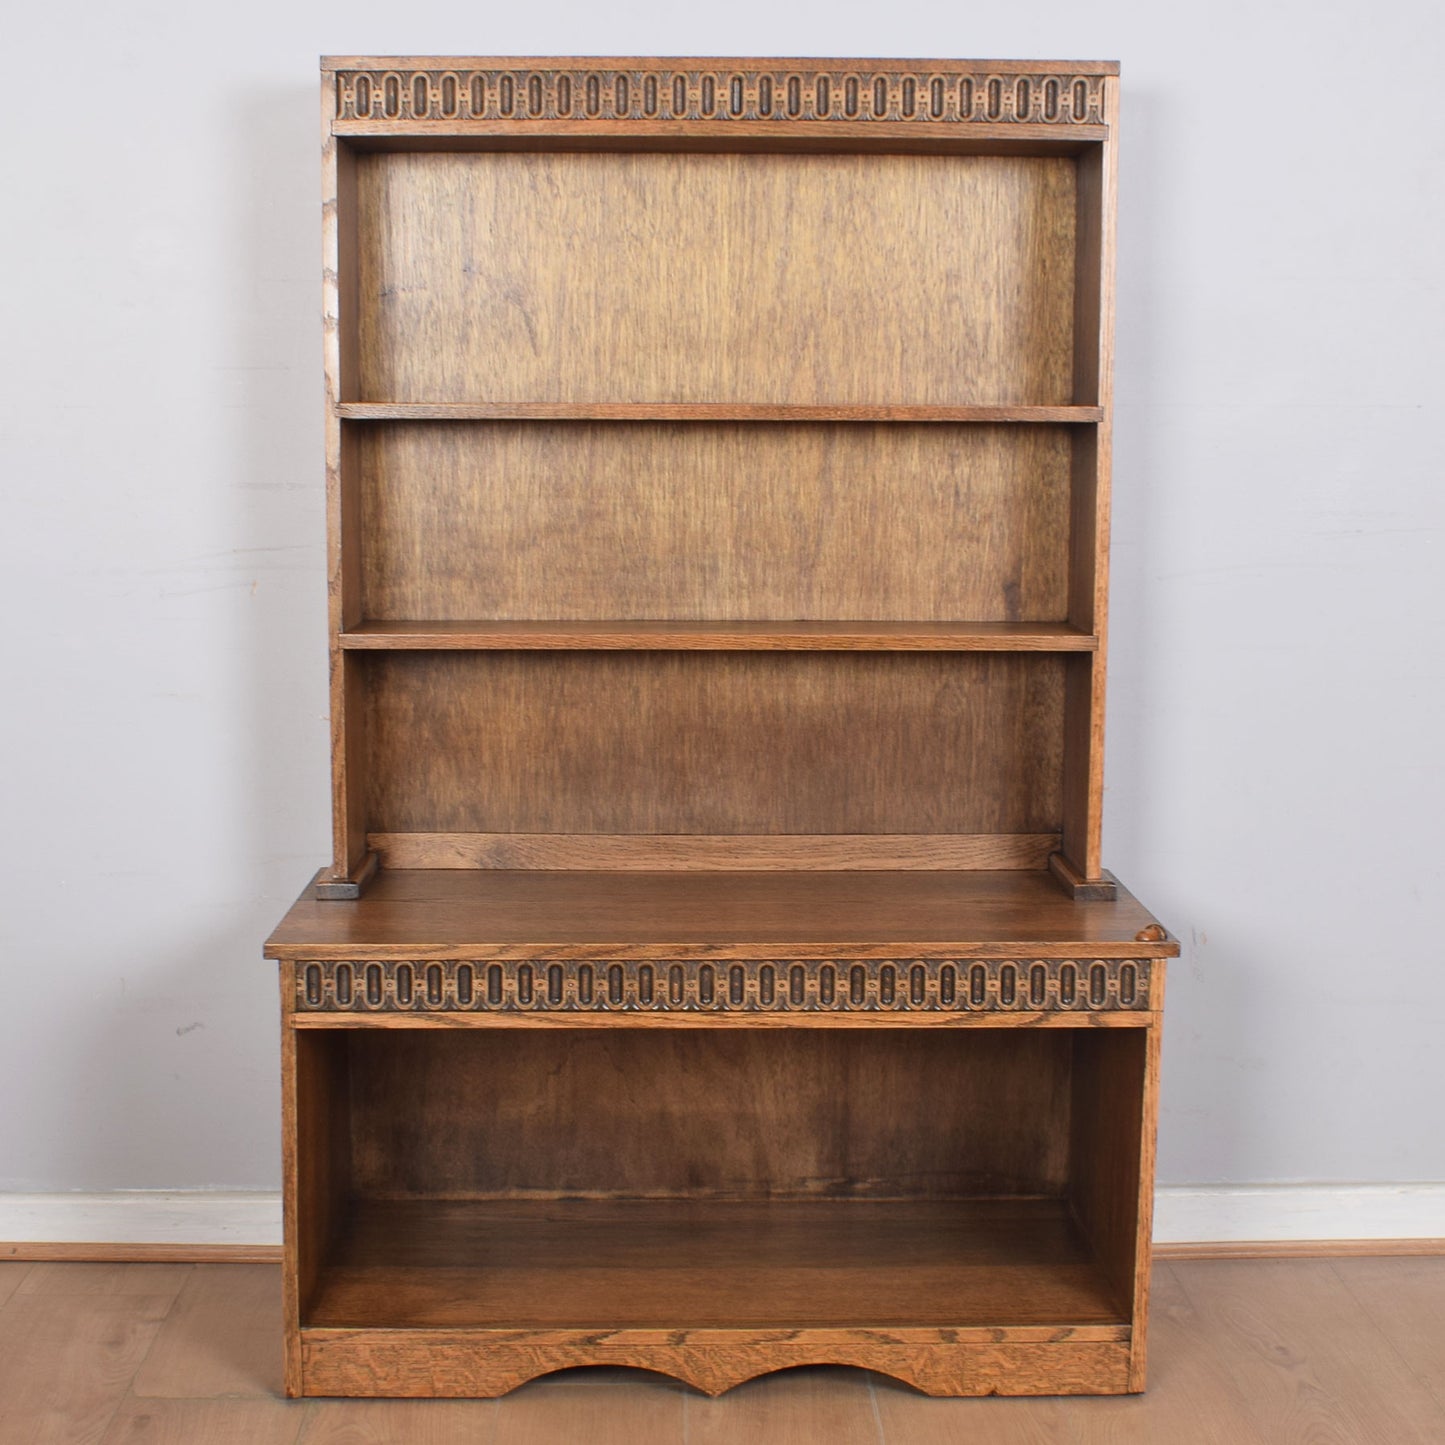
(487, 913)
(713, 62)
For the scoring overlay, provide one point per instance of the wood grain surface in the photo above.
(691, 852)
(480, 913)
(447, 1364)
(656, 277)
(714, 743)
(580, 521)
(674, 1266)
(718, 636)
(753, 411)
(730, 1114)
(69, 1348)
(222, 1336)
(1318, 1366)
(224, 1421)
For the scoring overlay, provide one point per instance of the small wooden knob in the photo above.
(1150, 933)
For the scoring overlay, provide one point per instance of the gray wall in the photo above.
(1275, 785)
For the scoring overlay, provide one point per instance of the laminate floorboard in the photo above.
(1300, 1360)
(1243, 1352)
(1406, 1300)
(206, 1422)
(67, 1361)
(797, 1406)
(400, 1422)
(222, 1337)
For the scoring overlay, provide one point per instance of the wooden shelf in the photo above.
(995, 1264)
(483, 912)
(706, 411)
(721, 636)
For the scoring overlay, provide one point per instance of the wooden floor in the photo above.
(1269, 1351)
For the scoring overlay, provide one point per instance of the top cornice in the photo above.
(435, 92)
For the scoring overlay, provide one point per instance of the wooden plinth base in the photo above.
(486, 1363)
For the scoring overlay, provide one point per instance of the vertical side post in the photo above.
(1148, 1148)
(290, 1272)
(351, 865)
(1079, 865)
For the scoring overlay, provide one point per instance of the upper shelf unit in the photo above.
(719, 448)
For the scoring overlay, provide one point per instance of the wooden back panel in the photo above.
(533, 276)
(508, 1113)
(715, 743)
(697, 520)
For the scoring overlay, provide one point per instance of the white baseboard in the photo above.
(1225, 1212)
(142, 1216)
(1183, 1214)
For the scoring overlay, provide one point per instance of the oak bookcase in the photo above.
(716, 971)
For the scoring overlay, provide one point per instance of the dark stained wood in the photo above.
(1115, 1079)
(1090, 494)
(341, 321)
(316, 1162)
(670, 1265)
(659, 636)
(701, 521)
(666, 852)
(458, 913)
(727, 1114)
(744, 138)
(714, 743)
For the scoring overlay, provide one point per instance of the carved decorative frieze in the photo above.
(743, 986)
(441, 96)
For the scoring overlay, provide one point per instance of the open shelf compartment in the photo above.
(510, 1201)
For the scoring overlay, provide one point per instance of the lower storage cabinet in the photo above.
(473, 1203)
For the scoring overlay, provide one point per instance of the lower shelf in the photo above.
(957, 1297)
(662, 1264)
